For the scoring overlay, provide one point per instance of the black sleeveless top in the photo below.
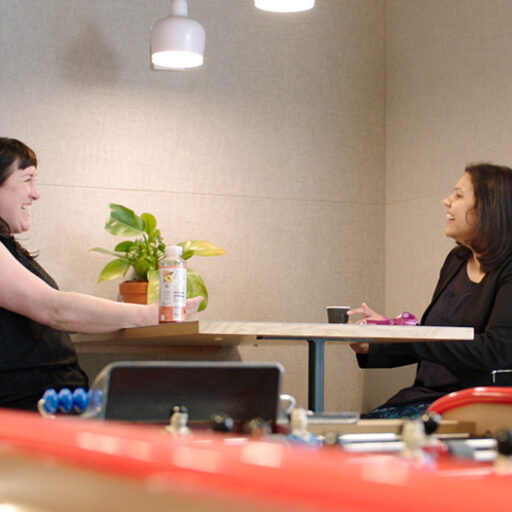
(434, 380)
(33, 357)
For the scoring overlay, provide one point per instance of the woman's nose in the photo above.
(447, 202)
(34, 192)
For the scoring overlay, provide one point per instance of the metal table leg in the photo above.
(316, 375)
(315, 370)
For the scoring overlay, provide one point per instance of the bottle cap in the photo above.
(174, 250)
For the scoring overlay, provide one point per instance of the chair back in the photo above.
(489, 408)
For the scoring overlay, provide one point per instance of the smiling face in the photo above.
(461, 218)
(16, 196)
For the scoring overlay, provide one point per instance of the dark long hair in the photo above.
(14, 155)
(493, 206)
(11, 151)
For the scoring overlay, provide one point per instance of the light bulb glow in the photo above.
(176, 60)
(284, 5)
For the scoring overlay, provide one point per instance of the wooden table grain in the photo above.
(230, 333)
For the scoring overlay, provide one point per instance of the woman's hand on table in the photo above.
(367, 314)
(364, 311)
(192, 308)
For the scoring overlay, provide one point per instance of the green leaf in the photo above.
(200, 248)
(124, 221)
(105, 251)
(149, 222)
(113, 269)
(141, 268)
(196, 287)
(153, 286)
(124, 246)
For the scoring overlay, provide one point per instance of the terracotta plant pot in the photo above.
(134, 291)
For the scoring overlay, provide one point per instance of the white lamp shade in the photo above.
(177, 42)
(284, 5)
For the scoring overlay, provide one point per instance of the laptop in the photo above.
(146, 392)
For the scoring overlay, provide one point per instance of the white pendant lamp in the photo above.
(177, 42)
(284, 5)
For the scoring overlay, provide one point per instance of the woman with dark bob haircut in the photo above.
(35, 350)
(474, 290)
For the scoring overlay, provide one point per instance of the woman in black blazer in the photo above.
(474, 290)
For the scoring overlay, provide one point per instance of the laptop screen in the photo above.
(146, 392)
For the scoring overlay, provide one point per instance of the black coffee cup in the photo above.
(337, 314)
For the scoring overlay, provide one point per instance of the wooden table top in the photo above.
(233, 333)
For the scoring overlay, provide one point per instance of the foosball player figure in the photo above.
(178, 422)
(257, 428)
(222, 423)
(299, 429)
(503, 462)
(331, 439)
(414, 439)
(431, 444)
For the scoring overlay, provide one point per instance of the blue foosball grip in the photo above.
(50, 401)
(65, 400)
(80, 400)
(95, 398)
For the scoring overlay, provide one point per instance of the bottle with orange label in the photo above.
(173, 286)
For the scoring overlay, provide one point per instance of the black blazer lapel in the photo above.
(452, 265)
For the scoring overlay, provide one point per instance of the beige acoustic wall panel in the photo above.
(274, 150)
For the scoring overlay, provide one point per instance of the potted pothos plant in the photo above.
(144, 254)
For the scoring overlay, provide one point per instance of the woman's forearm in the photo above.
(76, 312)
